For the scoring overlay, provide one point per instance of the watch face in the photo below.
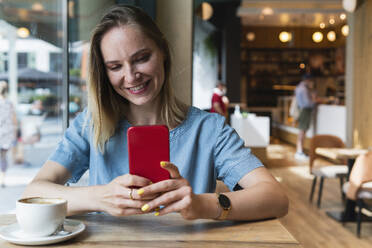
(224, 201)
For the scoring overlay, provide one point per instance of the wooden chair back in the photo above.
(322, 140)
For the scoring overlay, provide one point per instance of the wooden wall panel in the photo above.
(174, 18)
(362, 95)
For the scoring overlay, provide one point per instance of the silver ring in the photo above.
(131, 194)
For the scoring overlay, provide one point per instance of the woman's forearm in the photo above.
(260, 201)
(79, 199)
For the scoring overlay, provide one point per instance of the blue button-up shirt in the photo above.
(203, 148)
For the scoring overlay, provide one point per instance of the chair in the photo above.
(329, 171)
(359, 187)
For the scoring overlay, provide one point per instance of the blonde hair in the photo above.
(106, 107)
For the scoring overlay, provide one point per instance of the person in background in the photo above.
(37, 107)
(306, 100)
(74, 106)
(220, 101)
(8, 129)
(226, 102)
(130, 84)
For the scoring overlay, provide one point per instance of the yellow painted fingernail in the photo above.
(156, 213)
(140, 191)
(163, 164)
(151, 182)
(145, 207)
(157, 209)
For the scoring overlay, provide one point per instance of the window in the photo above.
(33, 67)
(3, 62)
(22, 60)
(55, 62)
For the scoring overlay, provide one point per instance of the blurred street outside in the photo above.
(18, 176)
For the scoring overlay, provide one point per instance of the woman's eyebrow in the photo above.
(132, 56)
(139, 52)
(111, 62)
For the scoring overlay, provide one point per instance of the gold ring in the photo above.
(131, 194)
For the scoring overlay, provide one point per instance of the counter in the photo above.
(331, 119)
(254, 130)
(327, 119)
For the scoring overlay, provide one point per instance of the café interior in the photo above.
(260, 49)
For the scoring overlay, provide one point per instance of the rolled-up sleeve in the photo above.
(232, 159)
(73, 150)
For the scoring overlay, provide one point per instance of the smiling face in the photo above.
(134, 64)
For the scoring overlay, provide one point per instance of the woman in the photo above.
(130, 85)
(8, 129)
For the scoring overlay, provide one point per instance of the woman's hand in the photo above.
(119, 198)
(175, 195)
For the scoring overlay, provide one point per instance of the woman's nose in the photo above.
(130, 75)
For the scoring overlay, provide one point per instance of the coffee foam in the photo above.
(41, 200)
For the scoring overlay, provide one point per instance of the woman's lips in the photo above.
(139, 88)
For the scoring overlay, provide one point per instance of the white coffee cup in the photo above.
(39, 216)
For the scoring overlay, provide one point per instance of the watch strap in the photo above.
(224, 214)
(225, 210)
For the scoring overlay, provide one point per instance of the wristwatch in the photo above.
(225, 204)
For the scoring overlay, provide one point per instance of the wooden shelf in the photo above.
(262, 68)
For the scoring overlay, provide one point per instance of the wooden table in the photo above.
(340, 153)
(350, 154)
(172, 231)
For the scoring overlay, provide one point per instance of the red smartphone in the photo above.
(147, 147)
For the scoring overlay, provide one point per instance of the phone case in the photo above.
(147, 147)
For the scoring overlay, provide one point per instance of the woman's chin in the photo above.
(140, 102)
(143, 100)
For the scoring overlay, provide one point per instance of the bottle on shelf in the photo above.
(237, 112)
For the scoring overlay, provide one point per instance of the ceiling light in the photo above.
(23, 32)
(331, 36)
(267, 11)
(37, 7)
(332, 21)
(345, 30)
(207, 11)
(349, 5)
(322, 25)
(302, 66)
(204, 10)
(343, 16)
(285, 36)
(317, 37)
(250, 36)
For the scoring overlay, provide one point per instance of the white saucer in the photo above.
(13, 234)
